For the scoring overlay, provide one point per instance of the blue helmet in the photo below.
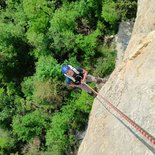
(64, 69)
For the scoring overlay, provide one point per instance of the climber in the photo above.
(76, 77)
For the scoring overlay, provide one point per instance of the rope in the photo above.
(130, 121)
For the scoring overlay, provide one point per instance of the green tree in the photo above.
(64, 123)
(38, 14)
(7, 107)
(109, 11)
(106, 63)
(47, 67)
(6, 141)
(29, 126)
(36, 38)
(126, 8)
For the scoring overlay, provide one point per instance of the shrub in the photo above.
(109, 12)
(48, 92)
(105, 64)
(29, 126)
(126, 9)
(61, 136)
(47, 68)
(88, 45)
(6, 141)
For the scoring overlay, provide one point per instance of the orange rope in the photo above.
(136, 126)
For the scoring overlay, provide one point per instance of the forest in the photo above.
(39, 114)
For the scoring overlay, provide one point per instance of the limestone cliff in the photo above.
(131, 87)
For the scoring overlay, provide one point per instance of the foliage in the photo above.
(6, 141)
(38, 14)
(48, 92)
(28, 126)
(106, 63)
(88, 44)
(113, 11)
(109, 12)
(36, 38)
(47, 67)
(27, 86)
(126, 8)
(7, 107)
(67, 121)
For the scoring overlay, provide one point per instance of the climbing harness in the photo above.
(136, 126)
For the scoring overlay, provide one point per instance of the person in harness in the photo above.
(76, 77)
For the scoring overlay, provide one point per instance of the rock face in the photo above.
(122, 39)
(131, 88)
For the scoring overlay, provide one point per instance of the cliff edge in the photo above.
(131, 87)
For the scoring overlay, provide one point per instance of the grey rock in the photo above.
(131, 88)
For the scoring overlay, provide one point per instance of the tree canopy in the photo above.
(38, 113)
